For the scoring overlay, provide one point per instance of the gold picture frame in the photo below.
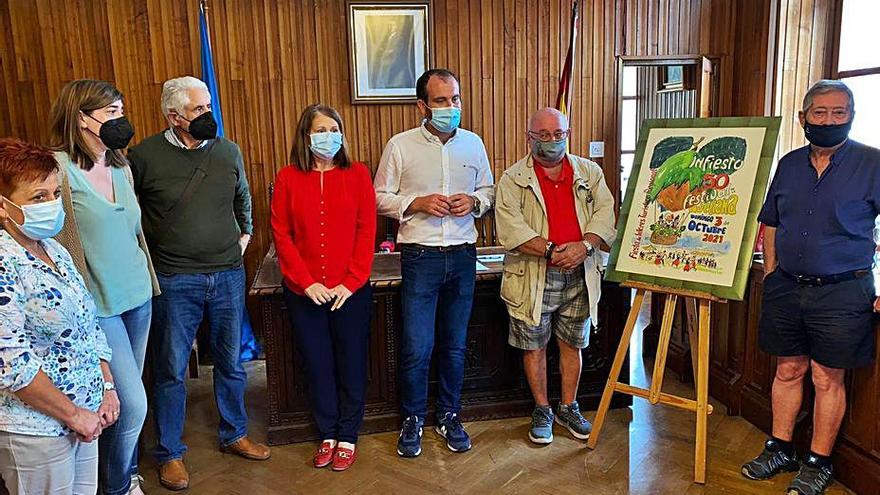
(389, 48)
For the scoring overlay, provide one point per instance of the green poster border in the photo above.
(744, 261)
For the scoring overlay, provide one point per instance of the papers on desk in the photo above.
(490, 258)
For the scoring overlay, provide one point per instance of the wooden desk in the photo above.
(494, 384)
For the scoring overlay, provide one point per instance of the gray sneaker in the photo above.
(570, 417)
(811, 479)
(542, 425)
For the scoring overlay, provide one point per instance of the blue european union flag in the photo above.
(208, 74)
(250, 348)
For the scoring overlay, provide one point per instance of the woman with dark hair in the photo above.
(324, 225)
(56, 387)
(103, 234)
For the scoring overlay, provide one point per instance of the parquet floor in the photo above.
(643, 450)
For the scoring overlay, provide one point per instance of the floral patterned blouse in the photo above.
(48, 321)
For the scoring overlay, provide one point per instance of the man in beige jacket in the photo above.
(553, 210)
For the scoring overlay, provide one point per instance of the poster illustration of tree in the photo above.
(689, 218)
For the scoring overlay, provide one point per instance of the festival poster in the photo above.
(689, 208)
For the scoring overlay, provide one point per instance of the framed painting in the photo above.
(689, 218)
(671, 78)
(390, 47)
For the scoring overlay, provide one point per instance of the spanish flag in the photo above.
(563, 95)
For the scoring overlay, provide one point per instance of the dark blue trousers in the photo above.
(333, 347)
(436, 286)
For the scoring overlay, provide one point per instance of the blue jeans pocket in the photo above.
(411, 253)
(471, 252)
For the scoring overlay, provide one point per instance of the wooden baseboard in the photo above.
(860, 469)
(301, 428)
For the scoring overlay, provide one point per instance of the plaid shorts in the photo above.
(564, 311)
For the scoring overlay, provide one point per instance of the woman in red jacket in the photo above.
(324, 224)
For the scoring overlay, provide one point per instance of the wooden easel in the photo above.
(699, 341)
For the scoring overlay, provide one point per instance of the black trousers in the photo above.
(833, 324)
(334, 346)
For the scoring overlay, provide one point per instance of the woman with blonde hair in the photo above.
(103, 233)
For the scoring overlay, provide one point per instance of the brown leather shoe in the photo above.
(244, 447)
(173, 475)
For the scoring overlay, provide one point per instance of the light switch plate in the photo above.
(597, 149)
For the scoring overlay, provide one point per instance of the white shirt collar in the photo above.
(432, 137)
(172, 138)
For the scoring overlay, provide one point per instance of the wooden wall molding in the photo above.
(274, 57)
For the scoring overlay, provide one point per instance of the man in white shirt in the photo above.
(435, 179)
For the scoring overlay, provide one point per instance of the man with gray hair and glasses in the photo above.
(818, 299)
(196, 216)
(553, 210)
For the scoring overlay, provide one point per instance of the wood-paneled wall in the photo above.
(274, 57)
(806, 29)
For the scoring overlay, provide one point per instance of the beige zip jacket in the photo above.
(520, 215)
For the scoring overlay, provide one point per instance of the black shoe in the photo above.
(770, 463)
(811, 480)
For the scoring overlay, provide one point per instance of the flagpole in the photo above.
(563, 96)
(203, 4)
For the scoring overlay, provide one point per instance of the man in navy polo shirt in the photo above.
(819, 300)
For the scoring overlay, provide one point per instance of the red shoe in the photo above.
(344, 458)
(324, 455)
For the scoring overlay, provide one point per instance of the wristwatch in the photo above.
(477, 203)
(548, 251)
(108, 386)
(589, 247)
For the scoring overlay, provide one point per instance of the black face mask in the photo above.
(826, 136)
(116, 133)
(202, 127)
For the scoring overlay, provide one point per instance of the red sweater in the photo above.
(326, 238)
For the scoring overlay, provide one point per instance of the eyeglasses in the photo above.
(549, 136)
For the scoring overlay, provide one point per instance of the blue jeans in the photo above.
(127, 337)
(431, 279)
(186, 298)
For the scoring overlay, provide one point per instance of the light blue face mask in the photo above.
(549, 151)
(41, 220)
(445, 119)
(325, 144)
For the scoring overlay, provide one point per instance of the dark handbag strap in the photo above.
(199, 175)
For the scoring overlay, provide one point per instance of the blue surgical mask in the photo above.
(41, 220)
(325, 144)
(445, 119)
(549, 151)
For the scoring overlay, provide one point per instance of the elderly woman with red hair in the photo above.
(56, 389)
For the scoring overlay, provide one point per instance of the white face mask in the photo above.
(41, 220)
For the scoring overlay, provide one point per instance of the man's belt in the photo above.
(436, 249)
(820, 280)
